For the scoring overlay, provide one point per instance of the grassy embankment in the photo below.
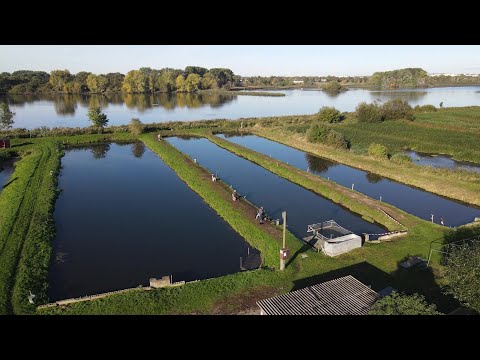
(26, 221)
(376, 264)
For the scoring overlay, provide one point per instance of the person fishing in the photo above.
(234, 195)
(260, 214)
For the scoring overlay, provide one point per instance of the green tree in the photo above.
(180, 83)
(6, 117)
(193, 82)
(336, 139)
(136, 127)
(317, 133)
(329, 115)
(402, 304)
(462, 270)
(98, 118)
(397, 109)
(195, 70)
(58, 78)
(208, 81)
(370, 113)
(333, 86)
(378, 150)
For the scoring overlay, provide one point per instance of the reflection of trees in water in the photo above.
(138, 149)
(317, 164)
(65, 104)
(373, 178)
(332, 94)
(100, 151)
(170, 101)
(381, 96)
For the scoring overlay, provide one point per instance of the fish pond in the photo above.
(410, 199)
(123, 216)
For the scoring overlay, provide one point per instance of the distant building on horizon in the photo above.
(298, 81)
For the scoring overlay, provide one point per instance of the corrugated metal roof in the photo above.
(342, 296)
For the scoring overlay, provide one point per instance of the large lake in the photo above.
(33, 111)
(123, 216)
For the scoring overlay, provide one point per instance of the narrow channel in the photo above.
(274, 193)
(123, 216)
(441, 161)
(412, 200)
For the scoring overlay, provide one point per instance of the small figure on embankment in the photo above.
(214, 178)
(235, 195)
(261, 216)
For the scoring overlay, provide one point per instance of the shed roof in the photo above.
(342, 296)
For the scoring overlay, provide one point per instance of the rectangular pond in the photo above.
(123, 216)
(441, 161)
(274, 193)
(410, 199)
(6, 170)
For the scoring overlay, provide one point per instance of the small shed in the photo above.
(342, 296)
(332, 238)
(4, 143)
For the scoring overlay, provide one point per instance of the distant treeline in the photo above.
(144, 80)
(193, 78)
(417, 77)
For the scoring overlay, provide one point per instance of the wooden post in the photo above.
(282, 260)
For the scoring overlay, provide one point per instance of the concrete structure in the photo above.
(342, 296)
(298, 81)
(4, 144)
(332, 238)
(160, 283)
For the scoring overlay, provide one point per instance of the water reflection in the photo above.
(138, 149)
(441, 161)
(373, 178)
(411, 96)
(318, 165)
(99, 151)
(67, 104)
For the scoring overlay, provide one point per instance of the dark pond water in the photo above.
(33, 111)
(123, 217)
(412, 200)
(6, 170)
(274, 193)
(441, 161)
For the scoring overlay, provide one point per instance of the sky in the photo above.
(246, 60)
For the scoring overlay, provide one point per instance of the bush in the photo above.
(317, 133)
(424, 109)
(399, 158)
(136, 127)
(369, 113)
(333, 86)
(397, 109)
(330, 115)
(401, 304)
(378, 150)
(461, 270)
(336, 139)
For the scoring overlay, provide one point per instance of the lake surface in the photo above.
(33, 111)
(412, 200)
(441, 161)
(6, 170)
(123, 217)
(274, 193)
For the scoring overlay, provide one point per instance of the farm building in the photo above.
(342, 296)
(332, 238)
(4, 143)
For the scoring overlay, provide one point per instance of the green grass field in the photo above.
(27, 224)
